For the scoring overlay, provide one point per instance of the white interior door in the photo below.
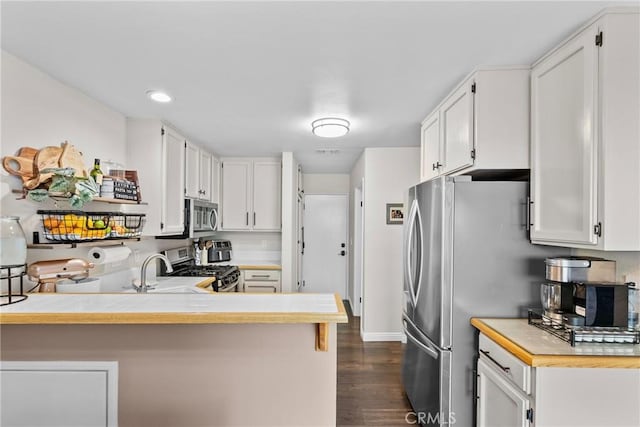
(324, 263)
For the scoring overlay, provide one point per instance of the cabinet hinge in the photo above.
(597, 229)
(161, 131)
(599, 39)
(530, 415)
(473, 88)
(473, 154)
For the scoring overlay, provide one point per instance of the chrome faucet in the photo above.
(143, 271)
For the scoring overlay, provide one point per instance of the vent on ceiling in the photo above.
(327, 151)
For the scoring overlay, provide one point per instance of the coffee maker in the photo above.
(581, 291)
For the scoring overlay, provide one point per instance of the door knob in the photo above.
(342, 253)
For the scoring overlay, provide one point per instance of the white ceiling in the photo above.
(249, 77)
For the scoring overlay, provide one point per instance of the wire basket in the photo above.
(79, 226)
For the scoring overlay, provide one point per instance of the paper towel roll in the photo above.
(109, 255)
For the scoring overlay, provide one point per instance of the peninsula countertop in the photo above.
(538, 348)
(181, 308)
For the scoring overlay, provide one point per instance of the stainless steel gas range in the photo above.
(184, 264)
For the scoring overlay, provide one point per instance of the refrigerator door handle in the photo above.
(417, 342)
(414, 217)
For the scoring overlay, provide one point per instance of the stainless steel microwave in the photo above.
(200, 220)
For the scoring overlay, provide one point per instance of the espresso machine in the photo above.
(581, 291)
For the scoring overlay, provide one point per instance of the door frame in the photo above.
(358, 251)
(347, 269)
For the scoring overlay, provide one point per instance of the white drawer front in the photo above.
(262, 275)
(512, 367)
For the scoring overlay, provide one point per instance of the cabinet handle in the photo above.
(505, 369)
(265, 276)
(254, 219)
(433, 166)
(438, 165)
(528, 214)
(247, 218)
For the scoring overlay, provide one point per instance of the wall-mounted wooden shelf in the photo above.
(95, 199)
(72, 245)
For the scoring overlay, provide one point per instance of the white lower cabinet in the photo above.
(511, 393)
(261, 281)
(59, 394)
(500, 403)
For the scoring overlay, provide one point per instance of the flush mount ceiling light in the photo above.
(330, 127)
(159, 96)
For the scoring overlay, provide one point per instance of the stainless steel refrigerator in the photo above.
(467, 254)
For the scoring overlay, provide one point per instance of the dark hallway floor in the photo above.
(369, 380)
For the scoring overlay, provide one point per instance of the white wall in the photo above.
(39, 111)
(289, 223)
(326, 183)
(388, 174)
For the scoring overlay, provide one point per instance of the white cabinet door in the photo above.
(215, 180)
(59, 394)
(172, 209)
(267, 207)
(236, 179)
(500, 404)
(457, 128)
(563, 148)
(205, 175)
(430, 164)
(192, 171)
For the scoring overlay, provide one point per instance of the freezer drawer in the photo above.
(426, 374)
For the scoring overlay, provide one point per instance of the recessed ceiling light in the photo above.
(159, 96)
(330, 127)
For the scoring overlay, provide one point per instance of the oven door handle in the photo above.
(228, 288)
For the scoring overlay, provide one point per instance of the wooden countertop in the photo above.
(184, 308)
(538, 348)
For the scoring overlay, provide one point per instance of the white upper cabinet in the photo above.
(236, 202)
(215, 180)
(585, 118)
(157, 152)
(430, 147)
(192, 171)
(251, 194)
(481, 127)
(205, 175)
(198, 173)
(457, 129)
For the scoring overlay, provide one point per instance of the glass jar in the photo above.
(13, 243)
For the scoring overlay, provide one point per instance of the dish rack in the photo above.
(582, 334)
(79, 226)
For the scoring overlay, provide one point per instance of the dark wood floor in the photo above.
(369, 380)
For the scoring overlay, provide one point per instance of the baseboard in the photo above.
(381, 336)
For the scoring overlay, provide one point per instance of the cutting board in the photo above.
(48, 157)
(24, 162)
(72, 158)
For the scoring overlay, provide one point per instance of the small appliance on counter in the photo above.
(48, 273)
(581, 302)
(183, 262)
